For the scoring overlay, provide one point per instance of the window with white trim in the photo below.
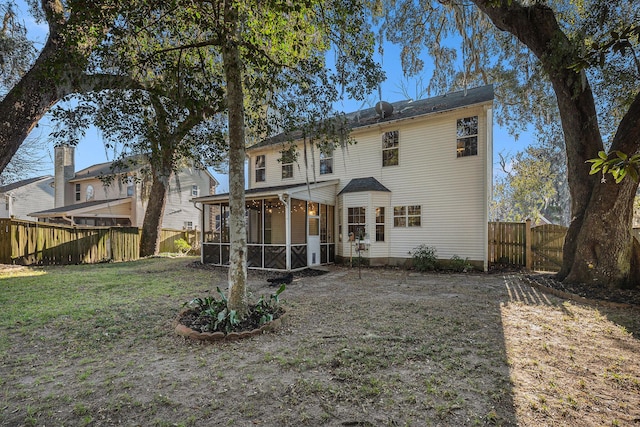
(407, 216)
(467, 137)
(188, 225)
(356, 222)
(326, 160)
(260, 170)
(194, 190)
(287, 159)
(78, 191)
(130, 186)
(380, 224)
(390, 148)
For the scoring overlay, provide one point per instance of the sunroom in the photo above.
(288, 227)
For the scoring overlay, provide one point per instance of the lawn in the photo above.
(94, 345)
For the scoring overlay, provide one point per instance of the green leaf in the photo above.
(621, 155)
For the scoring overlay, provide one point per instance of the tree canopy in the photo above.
(541, 54)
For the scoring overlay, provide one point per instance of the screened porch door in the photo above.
(313, 241)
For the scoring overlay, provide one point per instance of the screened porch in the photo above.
(283, 233)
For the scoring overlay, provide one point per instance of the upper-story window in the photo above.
(78, 193)
(89, 193)
(194, 190)
(131, 182)
(260, 168)
(467, 137)
(287, 159)
(390, 148)
(326, 160)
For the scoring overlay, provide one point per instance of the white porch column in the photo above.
(284, 198)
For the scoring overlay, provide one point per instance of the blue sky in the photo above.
(91, 149)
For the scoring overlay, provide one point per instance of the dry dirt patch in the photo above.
(392, 348)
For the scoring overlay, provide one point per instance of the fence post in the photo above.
(527, 238)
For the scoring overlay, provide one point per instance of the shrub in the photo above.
(212, 314)
(460, 265)
(424, 258)
(182, 246)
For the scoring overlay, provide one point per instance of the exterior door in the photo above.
(313, 241)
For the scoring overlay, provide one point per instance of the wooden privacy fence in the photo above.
(29, 243)
(535, 248)
(168, 239)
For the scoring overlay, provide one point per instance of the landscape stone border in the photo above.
(189, 333)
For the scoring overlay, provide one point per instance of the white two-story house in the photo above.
(85, 198)
(420, 172)
(25, 196)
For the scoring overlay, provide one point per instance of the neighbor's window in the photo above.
(194, 190)
(78, 195)
(467, 142)
(379, 224)
(287, 159)
(326, 160)
(89, 193)
(407, 216)
(356, 221)
(130, 186)
(260, 168)
(390, 148)
(188, 225)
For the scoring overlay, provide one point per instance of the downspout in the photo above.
(488, 182)
(287, 231)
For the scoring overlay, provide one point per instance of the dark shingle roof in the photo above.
(77, 206)
(130, 163)
(401, 110)
(357, 185)
(22, 183)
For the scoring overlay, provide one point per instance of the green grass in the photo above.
(44, 295)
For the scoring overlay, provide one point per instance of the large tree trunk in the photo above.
(588, 252)
(237, 299)
(152, 225)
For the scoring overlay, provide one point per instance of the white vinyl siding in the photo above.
(453, 198)
(34, 197)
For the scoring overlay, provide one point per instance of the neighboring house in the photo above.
(83, 198)
(420, 173)
(23, 197)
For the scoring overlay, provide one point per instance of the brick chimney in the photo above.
(64, 171)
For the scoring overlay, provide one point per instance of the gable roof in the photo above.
(131, 163)
(23, 183)
(79, 206)
(401, 110)
(357, 185)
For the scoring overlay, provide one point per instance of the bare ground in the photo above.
(391, 348)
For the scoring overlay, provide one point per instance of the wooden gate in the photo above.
(546, 247)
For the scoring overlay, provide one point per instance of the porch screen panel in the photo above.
(298, 222)
(254, 256)
(211, 254)
(254, 221)
(274, 222)
(224, 223)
